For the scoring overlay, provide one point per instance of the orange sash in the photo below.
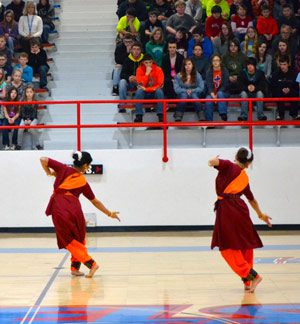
(237, 185)
(73, 181)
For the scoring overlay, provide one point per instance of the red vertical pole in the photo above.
(165, 144)
(250, 104)
(78, 127)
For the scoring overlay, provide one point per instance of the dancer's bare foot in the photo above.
(77, 273)
(93, 269)
(255, 282)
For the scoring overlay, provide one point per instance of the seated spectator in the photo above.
(128, 24)
(266, 25)
(139, 7)
(249, 45)
(46, 12)
(9, 29)
(286, 35)
(264, 60)
(171, 64)
(180, 19)
(17, 6)
(221, 42)
(6, 67)
(298, 81)
(30, 26)
(194, 9)
(188, 84)
(217, 84)
(284, 85)
(150, 80)
(289, 19)
(200, 39)
(4, 50)
(234, 61)
(240, 22)
(27, 71)
(28, 115)
(278, 7)
(16, 82)
(257, 6)
(223, 4)
(282, 50)
(200, 61)
(214, 23)
(235, 5)
(163, 10)
(181, 38)
(151, 23)
(253, 85)
(11, 115)
(121, 53)
(2, 10)
(2, 88)
(155, 47)
(128, 72)
(37, 59)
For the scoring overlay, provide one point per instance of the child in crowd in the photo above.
(128, 24)
(240, 22)
(266, 24)
(11, 117)
(27, 71)
(28, 115)
(151, 23)
(200, 39)
(2, 85)
(6, 67)
(16, 81)
(200, 61)
(181, 37)
(249, 45)
(9, 29)
(214, 23)
(4, 50)
(37, 59)
(155, 47)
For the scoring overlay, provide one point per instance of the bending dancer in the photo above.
(234, 232)
(65, 208)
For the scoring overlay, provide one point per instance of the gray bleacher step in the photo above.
(93, 74)
(88, 55)
(90, 20)
(64, 41)
(83, 47)
(103, 28)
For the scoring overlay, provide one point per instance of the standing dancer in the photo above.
(65, 208)
(234, 232)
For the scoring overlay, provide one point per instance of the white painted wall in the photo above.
(147, 191)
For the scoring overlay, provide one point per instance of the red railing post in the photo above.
(250, 105)
(78, 126)
(165, 144)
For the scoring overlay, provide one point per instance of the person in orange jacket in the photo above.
(150, 80)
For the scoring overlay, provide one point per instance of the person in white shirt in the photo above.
(30, 26)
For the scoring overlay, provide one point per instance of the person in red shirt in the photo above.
(240, 22)
(150, 80)
(234, 232)
(66, 211)
(266, 24)
(214, 23)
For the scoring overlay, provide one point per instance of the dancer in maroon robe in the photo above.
(234, 232)
(65, 208)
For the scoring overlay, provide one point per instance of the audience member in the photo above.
(128, 24)
(200, 39)
(139, 7)
(150, 80)
(257, 6)
(171, 64)
(252, 84)
(11, 118)
(155, 47)
(16, 82)
(30, 26)
(17, 6)
(163, 9)
(282, 49)
(214, 23)
(249, 45)
(264, 60)
(284, 85)
(151, 23)
(200, 61)
(181, 38)
(286, 34)
(2, 88)
(6, 67)
(221, 42)
(194, 9)
(188, 84)
(4, 50)
(9, 29)
(27, 71)
(240, 22)
(46, 12)
(217, 85)
(266, 24)
(222, 4)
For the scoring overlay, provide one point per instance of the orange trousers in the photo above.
(78, 251)
(240, 261)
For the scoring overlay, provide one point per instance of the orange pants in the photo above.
(78, 251)
(240, 261)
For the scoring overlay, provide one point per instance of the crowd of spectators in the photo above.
(24, 31)
(208, 49)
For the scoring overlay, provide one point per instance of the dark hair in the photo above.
(265, 7)
(244, 155)
(137, 44)
(284, 59)
(153, 13)
(198, 30)
(216, 9)
(147, 57)
(9, 91)
(251, 61)
(131, 12)
(81, 158)
(236, 42)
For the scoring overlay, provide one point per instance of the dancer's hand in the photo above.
(265, 218)
(114, 214)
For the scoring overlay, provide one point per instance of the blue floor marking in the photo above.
(142, 249)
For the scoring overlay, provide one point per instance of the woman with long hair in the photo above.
(264, 60)
(66, 211)
(221, 42)
(249, 45)
(188, 84)
(282, 50)
(234, 233)
(9, 28)
(155, 46)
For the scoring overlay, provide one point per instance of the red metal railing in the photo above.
(165, 124)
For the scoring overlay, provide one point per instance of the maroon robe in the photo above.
(65, 207)
(233, 226)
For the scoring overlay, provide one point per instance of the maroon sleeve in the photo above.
(223, 165)
(248, 193)
(88, 192)
(56, 166)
